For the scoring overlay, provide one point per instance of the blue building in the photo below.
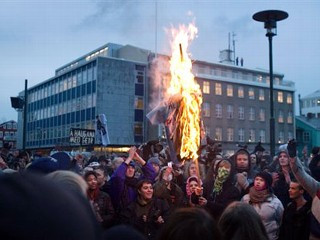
(99, 82)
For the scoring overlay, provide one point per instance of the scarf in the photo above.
(222, 176)
(258, 196)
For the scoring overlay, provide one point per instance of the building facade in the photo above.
(307, 133)
(118, 81)
(8, 133)
(310, 105)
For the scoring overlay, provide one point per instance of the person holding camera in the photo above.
(146, 214)
(311, 185)
(194, 192)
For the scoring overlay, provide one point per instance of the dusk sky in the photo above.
(37, 37)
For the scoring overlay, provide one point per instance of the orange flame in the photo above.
(183, 83)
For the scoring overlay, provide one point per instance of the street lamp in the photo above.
(270, 18)
(20, 104)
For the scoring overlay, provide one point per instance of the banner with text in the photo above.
(81, 137)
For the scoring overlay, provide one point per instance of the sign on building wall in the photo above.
(81, 137)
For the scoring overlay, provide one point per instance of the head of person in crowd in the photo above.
(104, 161)
(131, 170)
(145, 190)
(283, 158)
(116, 162)
(70, 180)
(296, 191)
(222, 171)
(166, 177)
(44, 165)
(101, 176)
(263, 181)
(241, 221)
(193, 185)
(190, 224)
(79, 158)
(33, 207)
(190, 169)
(242, 161)
(156, 164)
(91, 179)
(253, 160)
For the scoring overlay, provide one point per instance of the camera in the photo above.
(195, 198)
(292, 148)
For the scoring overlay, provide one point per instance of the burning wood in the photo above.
(181, 111)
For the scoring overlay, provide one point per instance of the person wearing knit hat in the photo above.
(267, 205)
(282, 177)
(155, 164)
(166, 188)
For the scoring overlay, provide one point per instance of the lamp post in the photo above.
(270, 19)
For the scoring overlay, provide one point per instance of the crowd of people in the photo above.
(143, 195)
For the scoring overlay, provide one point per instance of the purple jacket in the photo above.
(123, 189)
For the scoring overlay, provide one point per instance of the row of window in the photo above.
(85, 89)
(73, 105)
(241, 92)
(311, 102)
(235, 74)
(6, 134)
(43, 134)
(139, 104)
(242, 136)
(67, 81)
(241, 113)
(61, 120)
(9, 125)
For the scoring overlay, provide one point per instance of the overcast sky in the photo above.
(37, 37)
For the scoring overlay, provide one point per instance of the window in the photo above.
(289, 98)
(230, 134)
(241, 135)
(306, 136)
(251, 93)
(280, 97)
(290, 117)
(262, 115)
(241, 113)
(138, 103)
(280, 116)
(240, 92)
(218, 111)
(1, 134)
(206, 87)
(138, 129)
(281, 137)
(207, 130)
(206, 109)
(229, 90)
(261, 94)
(252, 135)
(229, 111)
(218, 89)
(218, 135)
(262, 135)
(252, 114)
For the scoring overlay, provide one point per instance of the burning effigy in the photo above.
(180, 111)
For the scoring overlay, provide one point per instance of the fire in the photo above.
(183, 84)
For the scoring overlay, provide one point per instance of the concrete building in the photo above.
(8, 133)
(310, 105)
(118, 81)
